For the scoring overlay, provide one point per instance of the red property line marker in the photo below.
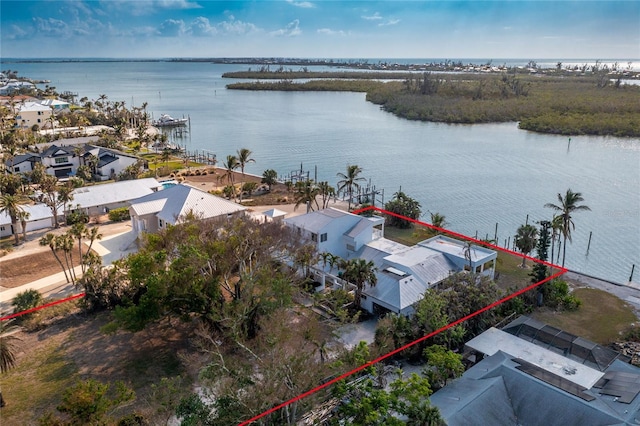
(560, 272)
(37, 308)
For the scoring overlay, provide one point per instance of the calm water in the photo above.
(476, 175)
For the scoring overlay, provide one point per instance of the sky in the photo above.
(320, 29)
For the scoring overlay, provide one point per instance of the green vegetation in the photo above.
(602, 317)
(120, 214)
(569, 105)
(402, 205)
(347, 75)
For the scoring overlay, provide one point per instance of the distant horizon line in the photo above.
(160, 58)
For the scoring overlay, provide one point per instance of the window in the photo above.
(16, 169)
(61, 160)
(1, 228)
(314, 237)
(323, 237)
(161, 223)
(351, 247)
(39, 121)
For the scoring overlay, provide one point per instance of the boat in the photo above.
(166, 120)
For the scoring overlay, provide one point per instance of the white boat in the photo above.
(166, 120)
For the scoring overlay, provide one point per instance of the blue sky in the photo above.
(323, 29)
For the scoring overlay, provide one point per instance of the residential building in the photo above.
(63, 161)
(40, 217)
(532, 373)
(34, 113)
(403, 273)
(95, 200)
(153, 212)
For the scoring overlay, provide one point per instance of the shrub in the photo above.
(26, 300)
(120, 214)
(77, 217)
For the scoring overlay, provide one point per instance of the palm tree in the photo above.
(12, 206)
(525, 240)
(350, 180)
(556, 226)
(51, 241)
(7, 346)
(306, 193)
(23, 216)
(567, 205)
(244, 158)
(438, 220)
(358, 272)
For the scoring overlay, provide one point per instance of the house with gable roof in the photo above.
(532, 373)
(154, 212)
(403, 273)
(33, 113)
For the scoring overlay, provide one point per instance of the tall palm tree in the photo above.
(350, 181)
(567, 205)
(231, 165)
(12, 206)
(23, 216)
(359, 272)
(51, 241)
(526, 239)
(556, 226)
(306, 192)
(244, 158)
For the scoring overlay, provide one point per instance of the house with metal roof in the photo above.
(403, 273)
(33, 113)
(40, 217)
(532, 373)
(95, 200)
(154, 212)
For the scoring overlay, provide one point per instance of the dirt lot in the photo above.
(73, 348)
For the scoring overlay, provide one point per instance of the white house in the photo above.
(55, 104)
(403, 273)
(39, 218)
(63, 161)
(154, 212)
(99, 199)
(34, 113)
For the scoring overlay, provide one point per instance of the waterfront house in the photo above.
(532, 373)
(403, 273)
(170, 206)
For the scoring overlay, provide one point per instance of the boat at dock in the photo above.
(166, 120)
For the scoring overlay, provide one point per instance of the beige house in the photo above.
(34, 113)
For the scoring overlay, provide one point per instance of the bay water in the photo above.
(476, 175)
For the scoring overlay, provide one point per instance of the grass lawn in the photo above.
(601, 318)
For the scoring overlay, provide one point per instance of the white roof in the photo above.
(396, 292)
(179, 200)
(53, 102)
(493, 340)
(316, 221)
(36, 212)
(33, 106)
(116, 192)
(456, 248)
(274, 213)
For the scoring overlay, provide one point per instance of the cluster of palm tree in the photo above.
(13, 206)
(350, 181)
(358, 272)
(230, 165)
(562, 224)
(307, 192)
(65, 243)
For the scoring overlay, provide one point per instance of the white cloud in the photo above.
(171, 28)
(233, 26)
(201, 27)
(389, 22)
(51, 27)
(177, 4)
(302, 4)
(375, 17)
(329, 31)
(291, 30)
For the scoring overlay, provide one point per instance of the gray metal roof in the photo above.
(36, 212)
(316, 221)
(399, 292)
(182, 199)
(478, 398)
(112, 193)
